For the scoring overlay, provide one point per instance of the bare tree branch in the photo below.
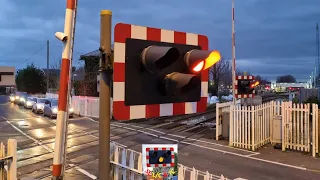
(221, 73)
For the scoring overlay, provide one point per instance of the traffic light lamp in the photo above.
(160, 72)
(160, 157)
(245, 86)
(198, 60)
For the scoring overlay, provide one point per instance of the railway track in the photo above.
(274, 97)
(199, 124)
(191, 125)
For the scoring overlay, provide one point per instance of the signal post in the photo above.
(156, 73)
(104, 94)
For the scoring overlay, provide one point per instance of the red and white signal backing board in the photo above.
(120, 110)
(236, 87)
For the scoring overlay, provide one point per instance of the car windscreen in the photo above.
(41, 100)
(25, 95)
(31, 99)
(54, 102)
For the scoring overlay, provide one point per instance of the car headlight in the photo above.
(71, 109)
(22, 99)
(55, 110)
(12, 98)
(29, 103)
(17, 97)
(39, 106)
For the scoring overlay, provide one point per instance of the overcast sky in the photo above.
(273, 37)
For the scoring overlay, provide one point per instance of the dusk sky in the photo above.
(273, 37)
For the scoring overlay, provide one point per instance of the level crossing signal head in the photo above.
(161, 60)
(154, 67)
(245, 86)
(160, 157)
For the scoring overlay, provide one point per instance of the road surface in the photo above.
(35, 135)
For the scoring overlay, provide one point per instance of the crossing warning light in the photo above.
(158, 72)
(255, 84)
(198, 60)
(244, 87)
(160, 157)
(165, 72)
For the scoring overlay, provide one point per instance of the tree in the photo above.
(54, 78)
(286, 79)
(88, 87)
(262, 81)
(31, 80)
(221, 73)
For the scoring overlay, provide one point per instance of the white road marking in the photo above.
(76, 129)
(227, 152)
(83, 171)
(187, 138)
(36, 141)
(218, 150)
(44, 146)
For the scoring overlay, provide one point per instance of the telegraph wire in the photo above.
(34, 54)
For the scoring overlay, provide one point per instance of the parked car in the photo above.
(38, 106)
(51, 108)
(17, 96)
(23, 99)
(12, 98)
(29, 102)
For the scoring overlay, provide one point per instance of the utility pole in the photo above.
(48, 65)
(104, 94)
(317, 56)
(63, 102)
(233, 56)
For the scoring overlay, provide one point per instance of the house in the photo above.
(91, 71)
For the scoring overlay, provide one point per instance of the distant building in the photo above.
(92, 71)
(282, 87)
(7, 79)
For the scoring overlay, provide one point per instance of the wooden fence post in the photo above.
(12, 166)
(217, 121)
(231, 125)
(252, 127)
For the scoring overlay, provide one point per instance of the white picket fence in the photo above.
(297, 131)
(8, 160)
(220, 109)
(252, 127)
(127, 164)
(83, 105)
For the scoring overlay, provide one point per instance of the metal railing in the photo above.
(8, 160)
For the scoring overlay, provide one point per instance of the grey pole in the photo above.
(104, 95)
